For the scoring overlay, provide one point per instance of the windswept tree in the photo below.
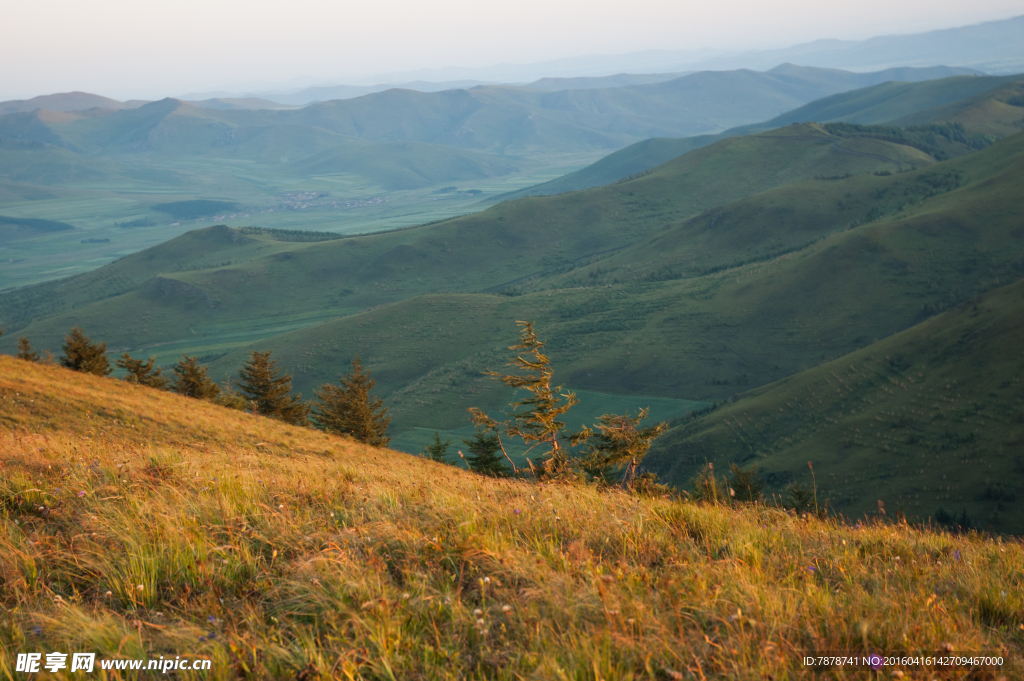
(348, 409)
(619, 444)
(270, 391)
(81, 354)
(143, 373)
(535, 418)
(25, 350)
(437, 450)
(191, 380)
(483, 454)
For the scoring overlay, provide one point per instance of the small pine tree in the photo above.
(231, 398)
(746, 485)
(620, 442)
(437, 450)
(270, 392)
(799, 498)
(707, 488)
(25, 350)
(190, 379)
(347, 408)
(535, 418)
(143, 373)
(81, 354)
(483, 454)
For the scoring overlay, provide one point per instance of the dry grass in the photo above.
(280, 551)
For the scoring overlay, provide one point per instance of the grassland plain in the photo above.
(929, 418)
(176, 290)
(137, 523)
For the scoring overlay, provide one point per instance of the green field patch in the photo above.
(198, 208)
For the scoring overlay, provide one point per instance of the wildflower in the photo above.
(211, 618)
(140, 587)
(38, 631)
(516, 512)
(81, 494)
(487, 580)
(956, 555)
(477, 612)
(480, 623)
(812, 569)
(506, 608)
(876, 662)
(109, 594)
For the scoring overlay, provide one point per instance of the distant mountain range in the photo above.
(995, 47)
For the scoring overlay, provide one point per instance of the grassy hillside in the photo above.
(137, 524)
(795, 286)
(890, 101)
(990, 114)
(929, 418)
(198, 288)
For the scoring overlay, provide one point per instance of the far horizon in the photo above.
(116, 54)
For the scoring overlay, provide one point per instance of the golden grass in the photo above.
(284, 552)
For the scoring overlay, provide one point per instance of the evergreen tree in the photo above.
(25, 350)
(437, 450)
(348, 409)
(746, 484)
(143, 373)
(81, 354)
(190, 379)
(270, 392)
(535, 418)
(483, 454)
(620, 442)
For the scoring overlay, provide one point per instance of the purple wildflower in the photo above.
(517, 511)
(876, 662)
(38, 631)
(956, 555)
(81, 494)
(812, 569)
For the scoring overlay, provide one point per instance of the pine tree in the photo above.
(142, 373)
(437, 450)
(270, 392)
(620, 442)
(347, 408)
(25, 350)
(81, 354)
(745, 483)
(535, 418)
(190, 379)
(483, 454)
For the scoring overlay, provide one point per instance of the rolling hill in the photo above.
(492, 250)
(982, 104)
(929, 419)
(169, 529)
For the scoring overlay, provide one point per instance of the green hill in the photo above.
(989, 114)
(199, 286)
(890, 101)
(930, 418)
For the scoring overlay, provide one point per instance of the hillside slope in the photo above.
(984, 106)
(190, 287)
(929, 418)
(139, 524)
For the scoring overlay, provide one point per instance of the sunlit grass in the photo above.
(137, 523)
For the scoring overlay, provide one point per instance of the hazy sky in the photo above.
(152, 48)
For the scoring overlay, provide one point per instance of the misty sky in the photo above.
(151, 48)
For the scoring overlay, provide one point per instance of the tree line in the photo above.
(345, 409)
(609, 453)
